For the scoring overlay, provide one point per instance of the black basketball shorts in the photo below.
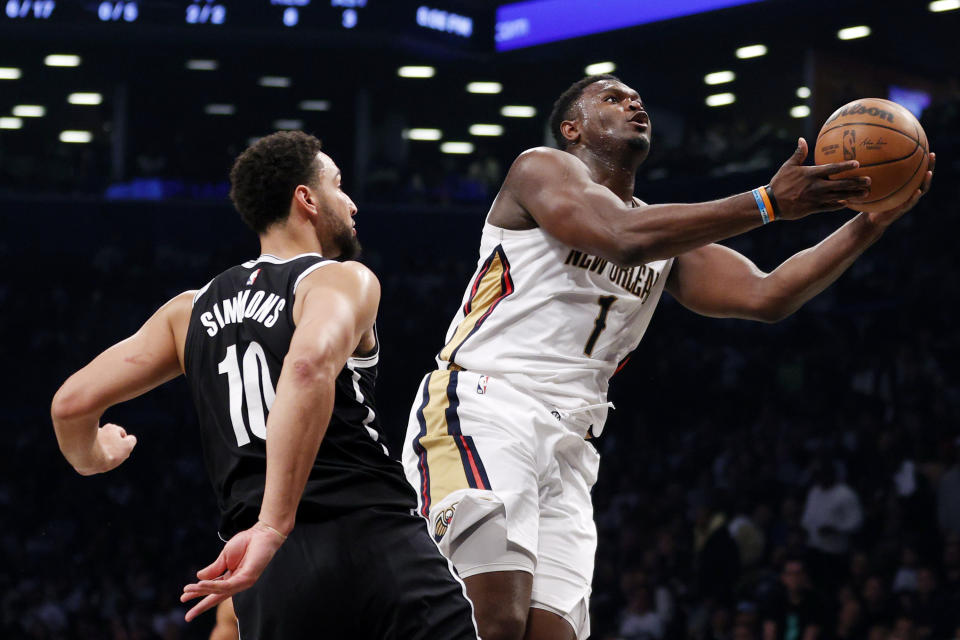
(374, 574)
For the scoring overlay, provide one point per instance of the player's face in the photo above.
(336, 231)
(611, 112)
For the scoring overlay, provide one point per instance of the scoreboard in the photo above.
(430, 22)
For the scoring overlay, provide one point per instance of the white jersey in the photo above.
(552, 321)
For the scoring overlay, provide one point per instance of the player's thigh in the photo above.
(568, 537)
(547, 625)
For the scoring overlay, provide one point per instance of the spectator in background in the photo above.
(717, 555)
(876, 603)
(930, 612)
(849, 625)
(640, 620)
(906, 576)
(832, 514)
(793, 611)
(748, 534)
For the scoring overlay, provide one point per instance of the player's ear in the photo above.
(305, 200)
(570, 129)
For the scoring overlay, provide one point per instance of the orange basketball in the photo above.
(889, 143)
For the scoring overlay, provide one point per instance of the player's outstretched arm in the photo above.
(719, 282)
(126, 370)
(335, 305)
(556, 189)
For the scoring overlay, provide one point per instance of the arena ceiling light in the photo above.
(457, 147)
(219, 109)
(416, 72)
(852, 33)
(422, 134)
(600, 67)
(719, 77)
(76, 137)
(314, 105)
(486, 130)
(518, 111)
(278, 82)
(62, 60)
(85, 98)
(10, 73)
(803, 92)
(11, 123)
(752, 51)
(484, 87)
(29, 111)
(288, 124)
(202, 65)
(720, 99)
(800, 111)
(944, 5)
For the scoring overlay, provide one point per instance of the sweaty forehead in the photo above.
(609, 85)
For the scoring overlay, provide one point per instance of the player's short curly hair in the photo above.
(561, 108)
(264, 177)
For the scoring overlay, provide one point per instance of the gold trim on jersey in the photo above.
(493, 283)
(448, 459)
(443, 457)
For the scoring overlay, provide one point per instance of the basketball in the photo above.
(888, 142)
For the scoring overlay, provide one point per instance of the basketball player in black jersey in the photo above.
(280, 354)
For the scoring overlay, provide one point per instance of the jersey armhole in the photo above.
(306, 272)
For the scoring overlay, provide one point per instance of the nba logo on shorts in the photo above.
(850, 144)
(482, 385)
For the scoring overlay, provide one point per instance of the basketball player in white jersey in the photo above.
(571, 268)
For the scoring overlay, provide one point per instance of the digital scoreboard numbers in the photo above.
(368, 21)
(30, 9)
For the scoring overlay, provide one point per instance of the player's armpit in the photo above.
(126, 370)
(718, 282)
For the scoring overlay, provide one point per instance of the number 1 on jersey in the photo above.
(600, 323)
(256, 377)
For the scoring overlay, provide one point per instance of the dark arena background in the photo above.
(119, 122)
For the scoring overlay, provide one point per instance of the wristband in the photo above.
(764, 199)
(263, 524)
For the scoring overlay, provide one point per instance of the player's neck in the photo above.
(615, 173)
(284, 242)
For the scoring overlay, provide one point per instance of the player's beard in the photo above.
(344, 240)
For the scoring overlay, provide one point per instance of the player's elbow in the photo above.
(770, 305)
(631, 254)
(630, 249)
(312, 368)
(70, 402)
(773, 313)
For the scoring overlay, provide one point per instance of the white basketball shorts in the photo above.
(478, 450)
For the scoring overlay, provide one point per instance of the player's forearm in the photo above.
(661, 231)
(295, 428)
(812, 270)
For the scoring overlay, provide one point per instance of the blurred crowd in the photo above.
(798, 481)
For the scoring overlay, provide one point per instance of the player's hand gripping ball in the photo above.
(888, 142)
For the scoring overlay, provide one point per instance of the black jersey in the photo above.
(239, 334)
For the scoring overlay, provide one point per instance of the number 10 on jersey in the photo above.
(254, 384)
